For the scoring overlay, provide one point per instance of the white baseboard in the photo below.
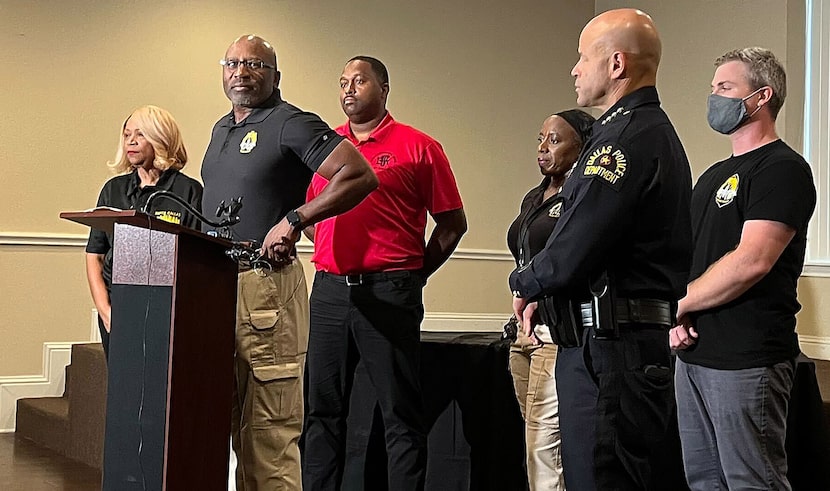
(463, 321)
(815, 347)
(56, 356)
(50, 383)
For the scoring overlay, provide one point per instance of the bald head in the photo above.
(619, 53)
(629, 31)
(256, 45)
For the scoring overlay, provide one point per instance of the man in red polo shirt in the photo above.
(372, 263)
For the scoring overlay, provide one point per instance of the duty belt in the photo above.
(630, 310)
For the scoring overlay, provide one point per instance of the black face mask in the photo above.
(727, 114)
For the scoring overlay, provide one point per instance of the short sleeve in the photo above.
(310, 138)
(98, 242)
(782, 192)
(437, 182)
(194, 198)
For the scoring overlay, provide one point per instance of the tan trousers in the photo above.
(271, 341)
(532, 368)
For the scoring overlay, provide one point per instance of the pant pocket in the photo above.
(278, 393)
(647, 403)
(271, 341)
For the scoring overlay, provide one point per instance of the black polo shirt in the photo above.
(626, 211)
(529, 232)
(757, 329)
(267, 159)
(125, 193)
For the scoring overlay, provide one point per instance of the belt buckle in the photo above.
(354, 279)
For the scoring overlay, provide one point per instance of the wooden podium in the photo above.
(170, 371)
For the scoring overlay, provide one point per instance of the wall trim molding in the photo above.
(819, 270)
(815, 347)
(304, 246)
(49, 383)
(42, 239)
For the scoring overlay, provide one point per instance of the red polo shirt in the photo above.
(386, 230)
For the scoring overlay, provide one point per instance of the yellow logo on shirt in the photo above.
(248, 143)
(727, 191)
(169, 216)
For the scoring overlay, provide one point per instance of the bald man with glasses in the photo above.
(266, 151)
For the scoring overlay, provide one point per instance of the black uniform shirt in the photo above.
(756, 329)
(530, 230)
(125, 193)
(268, 159)
(626, 211)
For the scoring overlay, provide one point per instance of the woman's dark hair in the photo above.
(580, 121)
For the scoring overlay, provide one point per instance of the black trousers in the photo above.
(617, 412)
(378, 323)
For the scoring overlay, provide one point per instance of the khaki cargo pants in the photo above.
(532, 368)
(271, 342)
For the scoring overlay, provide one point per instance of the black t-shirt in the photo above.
(530, 230)
(125, 193)
(268, 159)
(757, 329)
(626, 211)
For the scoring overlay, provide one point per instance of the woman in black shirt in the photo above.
(149, 156)
(533, 356)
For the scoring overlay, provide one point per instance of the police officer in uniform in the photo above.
(609, 277)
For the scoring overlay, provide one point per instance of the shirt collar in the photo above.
(640, 97)
(376, 134)
(258, 114)
(165, 182)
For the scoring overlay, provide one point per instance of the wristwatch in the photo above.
(294, 220)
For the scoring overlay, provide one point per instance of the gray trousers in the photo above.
(733, 426)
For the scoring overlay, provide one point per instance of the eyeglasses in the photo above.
(232, 65)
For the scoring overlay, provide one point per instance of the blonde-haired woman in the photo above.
(149, 156)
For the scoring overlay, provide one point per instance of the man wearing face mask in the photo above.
(736, 335)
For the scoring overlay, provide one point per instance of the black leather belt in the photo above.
(630, 310)
(366, 278)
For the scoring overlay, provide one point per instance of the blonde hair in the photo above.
(163, 134)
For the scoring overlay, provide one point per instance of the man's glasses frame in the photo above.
(232, 65)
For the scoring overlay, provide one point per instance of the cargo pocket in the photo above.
(277, 394)
(265, 325)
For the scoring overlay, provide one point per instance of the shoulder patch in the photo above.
(727, 191)
(608, 163)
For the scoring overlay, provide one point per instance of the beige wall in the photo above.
(479, 76)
